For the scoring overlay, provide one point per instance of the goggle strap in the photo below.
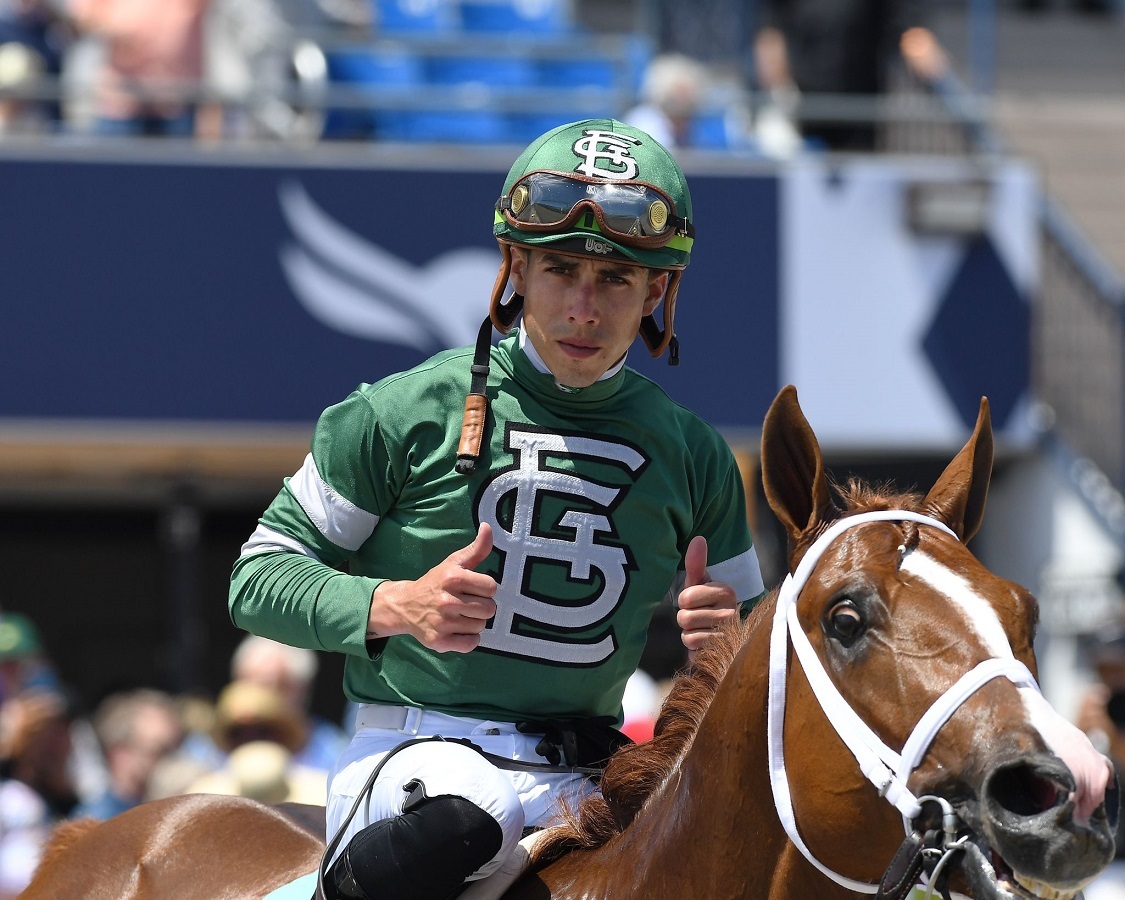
(476, 403)
(508, 312)
(652, 335)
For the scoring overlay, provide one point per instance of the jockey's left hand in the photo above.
(705, 605)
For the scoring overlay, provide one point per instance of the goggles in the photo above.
(634, 213)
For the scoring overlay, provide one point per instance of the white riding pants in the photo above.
(515, 798)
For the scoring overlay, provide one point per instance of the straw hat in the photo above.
(246, 711)
(264, 771)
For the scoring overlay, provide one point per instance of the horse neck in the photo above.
(719, 800)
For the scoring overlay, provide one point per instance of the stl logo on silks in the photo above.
(523, 540)
(612, 148)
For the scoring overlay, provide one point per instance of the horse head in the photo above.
(892, 641)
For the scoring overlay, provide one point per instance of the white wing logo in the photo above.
(351, 285)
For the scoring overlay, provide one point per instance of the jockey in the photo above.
(489, 568)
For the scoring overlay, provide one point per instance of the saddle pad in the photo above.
(301, 889)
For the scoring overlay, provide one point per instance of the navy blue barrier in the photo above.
(256, 293)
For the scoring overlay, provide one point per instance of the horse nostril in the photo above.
(1022, 791)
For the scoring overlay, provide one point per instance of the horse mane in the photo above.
(63, 837)
(860, 496)
(635, 771)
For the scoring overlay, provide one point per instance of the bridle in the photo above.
(887, 770)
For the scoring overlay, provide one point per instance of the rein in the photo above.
(887, 770)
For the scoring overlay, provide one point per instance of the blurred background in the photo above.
(219, 216)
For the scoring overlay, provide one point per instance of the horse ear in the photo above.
(958, 496)
(793, 477)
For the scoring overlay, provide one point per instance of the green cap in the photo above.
(612, 151)
(19, 638)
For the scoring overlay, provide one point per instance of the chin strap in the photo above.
(657, 340)
(503, 316)
(476, 403)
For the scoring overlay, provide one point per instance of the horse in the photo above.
(772, 773)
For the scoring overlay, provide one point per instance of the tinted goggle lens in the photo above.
(626, 210)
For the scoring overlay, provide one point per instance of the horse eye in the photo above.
(845, 623)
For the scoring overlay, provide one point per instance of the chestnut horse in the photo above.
(874, 721)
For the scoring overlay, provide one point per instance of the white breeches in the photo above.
(515, 798)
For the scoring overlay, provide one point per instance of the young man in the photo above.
(503, 568)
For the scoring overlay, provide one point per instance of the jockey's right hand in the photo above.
(446, 609)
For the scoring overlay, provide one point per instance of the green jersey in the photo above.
(592, 495)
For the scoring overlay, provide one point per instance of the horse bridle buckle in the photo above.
(909, 862)
(923, 852)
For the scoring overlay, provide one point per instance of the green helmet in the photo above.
(601, 188)
(604, 151)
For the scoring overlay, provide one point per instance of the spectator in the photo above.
(25, 665)
(33, 40)
(845, 47)
(136, 730)
(672, 92)
(23, 661)
(259, 730)
(36, 787)
(197, 754)
(152, 65)
(1101, 714)
(247, 46)
(20, 68)
(264, 771)
(291, 671)
(253, 712)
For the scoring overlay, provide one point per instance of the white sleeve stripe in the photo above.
(337, 518)
(267, 540)
(741, 572)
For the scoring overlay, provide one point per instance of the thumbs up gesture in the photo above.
(447, 608)
(704, 605)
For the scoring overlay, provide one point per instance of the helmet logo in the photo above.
(595, 246)
(612, 150)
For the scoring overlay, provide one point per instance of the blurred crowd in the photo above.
(230, 69)
(258, 738)
(731, 74)
(135, 67)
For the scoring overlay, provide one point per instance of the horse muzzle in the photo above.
(1025, 842)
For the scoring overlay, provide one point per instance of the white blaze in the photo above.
(1091, 769)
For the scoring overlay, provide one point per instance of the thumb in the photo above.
(475, 553)
(695, 562)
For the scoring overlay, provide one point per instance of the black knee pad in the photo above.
(424, 854)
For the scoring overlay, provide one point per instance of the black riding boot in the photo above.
(424, 854)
